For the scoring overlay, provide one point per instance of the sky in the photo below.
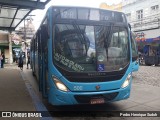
(39, 14)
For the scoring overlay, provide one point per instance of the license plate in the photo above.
(97, 101)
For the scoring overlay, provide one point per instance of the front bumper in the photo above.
(71, 98)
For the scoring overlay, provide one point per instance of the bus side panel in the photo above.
(33, 57)
(36, 61)
(45, 28)
(40, 69)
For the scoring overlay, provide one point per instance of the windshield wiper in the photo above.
(77, 28)
(107, 39)
(80, 35)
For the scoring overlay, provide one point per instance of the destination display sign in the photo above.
(91, 14)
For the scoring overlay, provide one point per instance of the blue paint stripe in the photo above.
(37, 102)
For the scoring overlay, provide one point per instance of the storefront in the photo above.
(4, 45)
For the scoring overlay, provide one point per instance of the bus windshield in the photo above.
(81, 48)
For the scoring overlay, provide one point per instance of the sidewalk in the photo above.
(13, 92)
(11, 65)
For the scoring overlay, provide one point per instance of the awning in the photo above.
(13, 12)
(149, 40)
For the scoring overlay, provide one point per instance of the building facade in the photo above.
(12, 43)
(144, 17)
(8, 43)
(116, 7)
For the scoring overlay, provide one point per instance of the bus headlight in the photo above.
(59, 84)
(127, 81)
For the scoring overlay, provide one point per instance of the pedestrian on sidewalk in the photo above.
(28, 59)
(20, 62)
(2, 60)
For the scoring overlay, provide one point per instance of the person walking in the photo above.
(20, 62)
(28, 59)
(2, 60)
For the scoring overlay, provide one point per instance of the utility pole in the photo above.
(10, 48)
(26, 30)
(25, 42)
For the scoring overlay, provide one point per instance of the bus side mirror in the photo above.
(135, 55)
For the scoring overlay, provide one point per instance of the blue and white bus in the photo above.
(82, 56)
